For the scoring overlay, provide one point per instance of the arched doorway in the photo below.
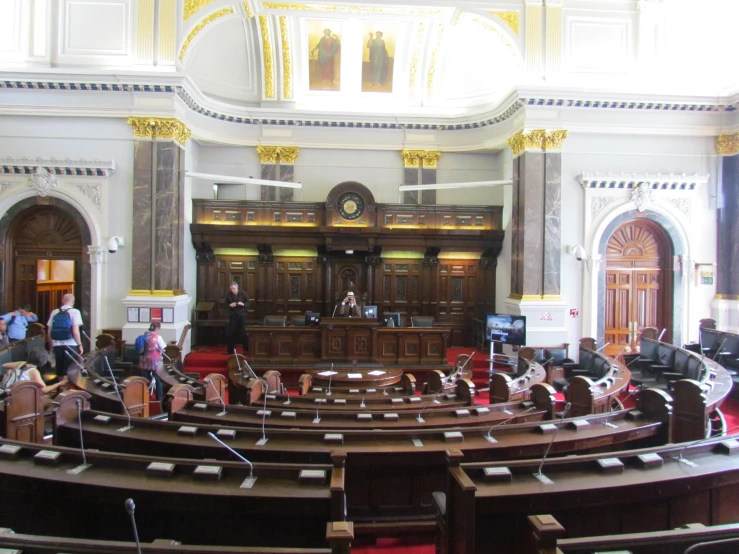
(44, 253)
(638, 284)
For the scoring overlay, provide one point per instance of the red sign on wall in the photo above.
(156, 315)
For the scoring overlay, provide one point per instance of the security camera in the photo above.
(114, 243)
(578, 251)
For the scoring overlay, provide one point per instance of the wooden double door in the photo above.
(638, 291)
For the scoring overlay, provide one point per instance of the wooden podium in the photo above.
(346, 339)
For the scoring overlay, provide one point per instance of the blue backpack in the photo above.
(61, 326)
(140, 344)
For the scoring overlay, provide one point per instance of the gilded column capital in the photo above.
(411, 158)
(430, 158)
(288, 154)
(538, 139)
(727, 144)
(159, 128)
(267, 154)
(554, 139)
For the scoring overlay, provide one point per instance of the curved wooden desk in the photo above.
(345, 379)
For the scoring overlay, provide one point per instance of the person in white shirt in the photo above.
(63, 334)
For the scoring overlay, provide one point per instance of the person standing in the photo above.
(238, 304)
(63, 331)
(327, 48)
(151, 360)
(349, 306)
(18, 321)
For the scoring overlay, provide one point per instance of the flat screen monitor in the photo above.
(312, 318)
(508, 329)
(370, 312)
(394, 316)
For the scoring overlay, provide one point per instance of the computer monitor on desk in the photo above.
(387, 317)
(312, 318)
(370, 312)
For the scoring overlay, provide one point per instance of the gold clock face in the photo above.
(350, 206)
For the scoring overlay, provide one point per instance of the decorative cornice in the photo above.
(510, 18)
(269, 83)
(626, 105)
(193, 6)
(538, 139)
(269, 154)
(413, 158)
(287, 64)
(200, 26)
(627, 181)
(65, 167)
(727, 144)
(159, 128)
(349, 9)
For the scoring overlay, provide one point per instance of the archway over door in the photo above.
(50, 229)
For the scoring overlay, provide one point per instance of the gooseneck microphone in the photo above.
(490, 438)
(118, 392)
(719, 349)
(83, 369)
(662, 334)
(223, 412)
(433, 401)
(130, 507)
(539, 475)
(334, 312)
(696, 443)
(602, 347)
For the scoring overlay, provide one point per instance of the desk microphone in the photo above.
(662, 334)
(246, 363)
(84, 465)
(222, 413)
(330, 375)
(539, 475)
(249, 481)
(490, 438)
(433, 401)
(238, 363)
(130, 507)
(602, 347)
(263, 440)
(696, 443)
(83, 369)
(720, 348)
(89, 340)
(118, 392)
(334, 312)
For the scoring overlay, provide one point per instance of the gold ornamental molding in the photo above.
(159, 128)
(269, 81)
(727, 144)
(727, 297)
(538, 139)
(351, 9)
(200, 26)
(193, 6)
(269, 154)
(287, 64)
(247, 10)
(416, 57)
(510, 18)
(413, 158)
(144, 292)
(434, 58)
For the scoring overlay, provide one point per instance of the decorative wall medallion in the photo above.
(599, 203)
(642, 196)
(350, 206)
(42, 181)
(6, 186)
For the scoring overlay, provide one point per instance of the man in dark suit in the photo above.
(238, 304)
(349, 306)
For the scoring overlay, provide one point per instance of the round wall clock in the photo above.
(350, 206)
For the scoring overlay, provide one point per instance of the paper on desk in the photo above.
(327, 373)
(376, 372)
(354, 375)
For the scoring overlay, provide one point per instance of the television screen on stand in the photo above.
(505, 328)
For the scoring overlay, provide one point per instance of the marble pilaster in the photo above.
(269, 173)
(428, 177)
(531, 223)
(410, 177)
(727, 281)
(552, 223)
(169, 217)
(287, 173)
(142, 239)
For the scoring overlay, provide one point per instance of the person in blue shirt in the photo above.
(18, 321)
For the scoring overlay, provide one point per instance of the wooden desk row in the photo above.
(486, 505)
(84, 493)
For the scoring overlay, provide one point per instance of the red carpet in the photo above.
(406, 545)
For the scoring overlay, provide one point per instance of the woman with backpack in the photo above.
(14, 372)
(151, 360)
